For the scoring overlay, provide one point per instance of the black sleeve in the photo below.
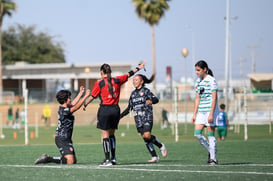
(155, 100)
(152, 97)
(127, 110)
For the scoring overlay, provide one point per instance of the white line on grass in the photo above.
(137, 169)
(179, 165)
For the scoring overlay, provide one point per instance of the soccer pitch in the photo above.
(186, 160)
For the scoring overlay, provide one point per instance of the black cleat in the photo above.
(113, 161)
(212, 162)
(106, 163)
(42, 160)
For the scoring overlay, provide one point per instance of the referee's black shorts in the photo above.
(108, 117)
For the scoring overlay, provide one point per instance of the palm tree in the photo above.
(5, 7)
(151, 11)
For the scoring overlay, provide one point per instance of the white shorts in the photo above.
(202, 118)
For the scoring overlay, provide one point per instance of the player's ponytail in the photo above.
(145, 79)
(210, 72)
(107, 70)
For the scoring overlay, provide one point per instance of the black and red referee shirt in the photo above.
(101, 89)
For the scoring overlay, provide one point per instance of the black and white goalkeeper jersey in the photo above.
(65, 123)
(142, 113)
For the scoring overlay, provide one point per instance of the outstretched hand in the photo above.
(141, 65)
(82, 89)
(87, 92)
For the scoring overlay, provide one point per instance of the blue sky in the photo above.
(108, 31)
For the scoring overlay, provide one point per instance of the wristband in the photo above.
(131, 73)
(137, 68)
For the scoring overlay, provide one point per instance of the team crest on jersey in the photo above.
(71, 149)
(141, 93)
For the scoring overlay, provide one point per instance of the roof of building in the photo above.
(261, 76)
(60, 70)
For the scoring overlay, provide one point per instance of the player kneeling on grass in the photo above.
(140, 102)
(63, 138)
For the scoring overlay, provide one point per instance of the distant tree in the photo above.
(21, 43)
(151, 11)
(6, 6)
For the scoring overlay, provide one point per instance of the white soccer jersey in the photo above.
(205, 87)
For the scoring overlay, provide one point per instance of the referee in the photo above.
(108, 90)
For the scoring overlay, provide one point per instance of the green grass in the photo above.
(186, 160)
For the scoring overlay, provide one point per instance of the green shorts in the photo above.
(22, 122)
(222, 131)
(10, 118)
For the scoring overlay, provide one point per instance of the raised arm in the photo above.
(80, 102)
(77, 98)
(90, 99)
(140, 66)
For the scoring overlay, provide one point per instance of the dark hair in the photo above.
(203, 64)
(62, 96)
(107, 70)
(222, 106)
(145, 79)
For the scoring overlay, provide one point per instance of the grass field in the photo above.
(186, 160)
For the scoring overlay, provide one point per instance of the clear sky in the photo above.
(107, 31)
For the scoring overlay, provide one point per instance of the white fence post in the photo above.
(36, 125)
(1, 126)
(245, 106)
(176, 113)
(270, 122)
(25, 92)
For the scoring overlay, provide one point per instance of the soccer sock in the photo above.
(150, 147)
(55, 160)
(212, 145)
(113, 145)
(106, 148)
(155, 141)
(202, 140)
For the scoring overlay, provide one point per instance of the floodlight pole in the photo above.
(227, 53)
(176, 113)
(185, 53)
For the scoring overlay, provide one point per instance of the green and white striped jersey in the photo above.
(205, 87)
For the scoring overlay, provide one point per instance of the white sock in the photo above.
(212, 147)
(203, 141)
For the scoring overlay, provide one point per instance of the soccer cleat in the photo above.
(113, 161)
(154, 159)
(43, 159)
(212, 162)
(106, 163)
(163, 150)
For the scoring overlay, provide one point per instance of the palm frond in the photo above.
(151, 10)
